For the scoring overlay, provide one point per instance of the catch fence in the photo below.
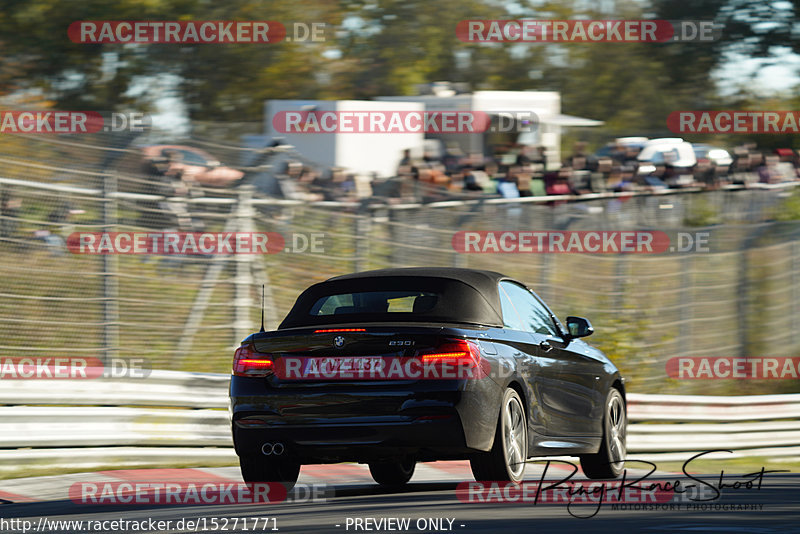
(740, 298)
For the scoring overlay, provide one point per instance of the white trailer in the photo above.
(546, 105)
(367, 154)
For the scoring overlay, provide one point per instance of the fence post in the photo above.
(741, 302)
(400, 233)
(361, 228)
(3, 223)
(109, 268)
(242, 302)
(459, 258)
(686, 307)
(620, 282)
(203, 297)
(545, 266)
(795, 248)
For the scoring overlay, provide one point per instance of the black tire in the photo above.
(264, 469)
(506, 460)
(393, 473)
(609, 461)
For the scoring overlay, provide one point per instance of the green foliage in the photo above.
(701, 212)
(623, 339)
(375, 47)
(789, 208)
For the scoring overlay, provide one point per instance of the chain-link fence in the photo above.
(187, 312)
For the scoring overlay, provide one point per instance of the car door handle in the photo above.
(545, 346)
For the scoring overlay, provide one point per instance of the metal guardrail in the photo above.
(173, 417)
(751, 425)
(707, 408)
(161, 388)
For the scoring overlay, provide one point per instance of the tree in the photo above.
(380, 47)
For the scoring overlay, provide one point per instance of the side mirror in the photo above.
(579, 327)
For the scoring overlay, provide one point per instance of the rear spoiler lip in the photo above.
(370, 328)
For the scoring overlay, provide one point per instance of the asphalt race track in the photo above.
(428, 504)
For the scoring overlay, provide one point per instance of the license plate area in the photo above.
(330, 368)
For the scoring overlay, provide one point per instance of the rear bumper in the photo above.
(347, 422)
(357, 442)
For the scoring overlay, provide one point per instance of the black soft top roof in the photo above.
(467, 296)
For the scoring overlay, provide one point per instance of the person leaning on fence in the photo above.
(179, 191)
(155, 213)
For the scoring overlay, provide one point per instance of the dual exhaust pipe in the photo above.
(273, 449)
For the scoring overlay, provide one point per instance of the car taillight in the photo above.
(458, 355)
(248, 362)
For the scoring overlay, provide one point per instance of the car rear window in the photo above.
(392, 299)
(375, 302)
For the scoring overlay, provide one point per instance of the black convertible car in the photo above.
(396, 366)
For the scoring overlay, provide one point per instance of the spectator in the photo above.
(654, 179)
(524, 178)
(671, 176)
(59, 216)
(618, 153)
(406, 163)
(156, 213)
(523, 160)
(492, 169)
(409, 173)
(705, 173)
(322, 184)
(785, 165)
(452, 159)
(769, 172)
(740, 168)
(9, 214)
(541, 157)
(507, 187)
(599, 176)
(796, 161)
(762, 169)
(630, 157)
(579, 160)
(470, 182)
(625, 179)
(557, 183)
(579, 181)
